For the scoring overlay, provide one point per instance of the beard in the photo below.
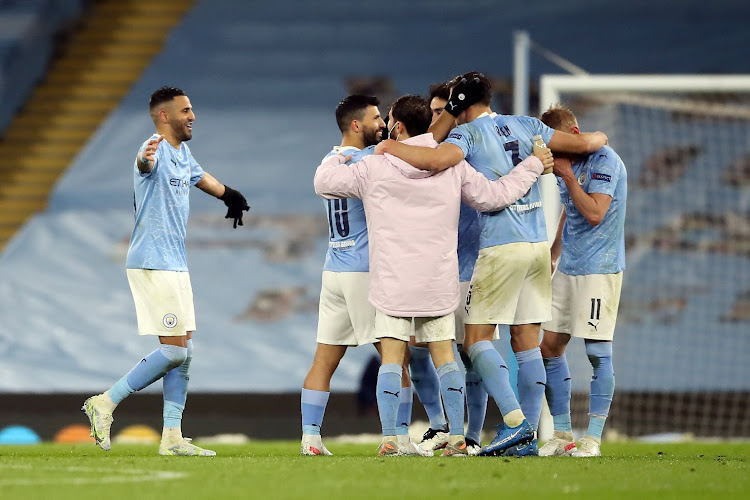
(182, 132)
(370, 137)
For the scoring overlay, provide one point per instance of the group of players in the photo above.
(441, 215)
(413, 227)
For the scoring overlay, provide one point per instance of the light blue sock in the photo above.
(425, 381)
(387, 393)
(476, 400)
(489, 365)
(175, 384)
(558, 391)
(602, 385)
(452, 389)
(120, 390)
(152, 368)
(313, 410)
(532, 380)
(405, 401)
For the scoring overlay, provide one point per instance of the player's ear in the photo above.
(163, 116)
(354, 126)
(575, 130)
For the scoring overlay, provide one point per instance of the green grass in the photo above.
(273, 469)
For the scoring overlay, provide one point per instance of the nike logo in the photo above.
(594, 377)
(566, 379)
(392, 393)
(504, 367)
(404, 424)
(143, 360)
(590, 323)
(541, 383)
(460, 389)
(315, 425)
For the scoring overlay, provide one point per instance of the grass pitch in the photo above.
(271, 469)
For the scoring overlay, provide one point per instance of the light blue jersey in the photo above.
(599, 249)
(162, 206)
(468, 241)
(348, 249)
(494, 145)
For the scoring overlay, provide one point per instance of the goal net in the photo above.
(682, 341)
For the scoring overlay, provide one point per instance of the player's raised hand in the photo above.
(147, 155)
(545, 156)
(236, 204)
(464, 94)
(384, 146)
(562, 167)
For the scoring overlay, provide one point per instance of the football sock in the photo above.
(476, 400)
(175, 384)
(489, 365)
(387, 392)
(452, 389)
(313, 410)
(602, 385)
(558, 391)
(531, 383)
(425, 381)
(150, 369)
(405, 400)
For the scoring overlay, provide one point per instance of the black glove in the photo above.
(235, 203)
(464, 94)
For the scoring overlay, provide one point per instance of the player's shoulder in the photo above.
(607, 156)
(462, 131)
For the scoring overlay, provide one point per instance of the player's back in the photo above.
(494, 145)
(347, 225)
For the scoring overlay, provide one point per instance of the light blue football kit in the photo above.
(599, 249)
(348, 249)
(494, 145)
(589, 250)
(162, 206)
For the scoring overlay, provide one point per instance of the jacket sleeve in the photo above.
(335, 179)
(488, 196)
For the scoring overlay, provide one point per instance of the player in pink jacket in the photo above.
(412, 218)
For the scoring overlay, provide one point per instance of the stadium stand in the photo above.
(264, 80)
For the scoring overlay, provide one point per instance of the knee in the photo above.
(175, 354)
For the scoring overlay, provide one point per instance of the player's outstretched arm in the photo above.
(146, 158)
(563, 142)
(485, 195)
(333, 180)
(593, 206)
(438, 159)
(233, 199)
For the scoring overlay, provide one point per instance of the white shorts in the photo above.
(461, 314)
(510, 285)
(425, 330)
(585, 306)
(163, 302)
(345, 316)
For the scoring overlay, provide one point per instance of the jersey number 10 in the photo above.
(338, 212)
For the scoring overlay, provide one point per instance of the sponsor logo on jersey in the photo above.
(525, 207)
(341, 245)
(601, 177)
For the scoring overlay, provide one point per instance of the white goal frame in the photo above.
(552, 86)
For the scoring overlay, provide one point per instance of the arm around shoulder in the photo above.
(487, 196)
(333, 179)
(563, 142)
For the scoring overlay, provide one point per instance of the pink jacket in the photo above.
(412, 222)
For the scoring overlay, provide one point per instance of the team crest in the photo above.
(169, 320)
(582, 178)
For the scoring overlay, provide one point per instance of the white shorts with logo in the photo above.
(461, 314)
(585, 306)
(511, 285)
(163, 302)
(424, 330)
(345, 316)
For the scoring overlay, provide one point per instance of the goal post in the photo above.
(683, 330)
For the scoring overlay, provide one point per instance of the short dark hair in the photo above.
(439, 90)
(558, 115)
(164, 94)
(485, 96)
(353, 108)
(414, 112)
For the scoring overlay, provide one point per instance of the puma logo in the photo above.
(391, 393)
(459, 390)
(595, 326)
(453, 106)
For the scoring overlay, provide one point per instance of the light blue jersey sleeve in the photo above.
(535, 126)
(605, 172)
(463, 136)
